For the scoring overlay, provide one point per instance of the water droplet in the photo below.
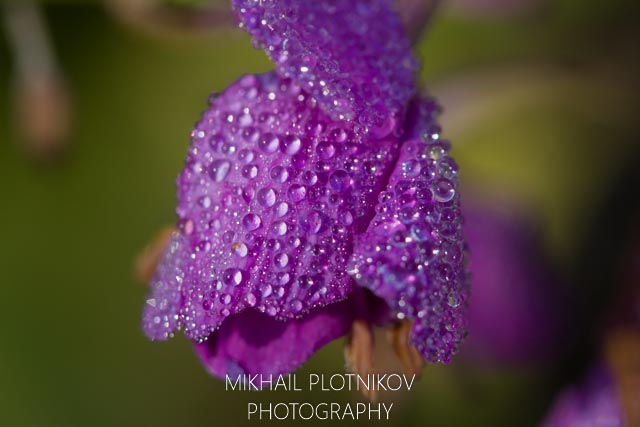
(279, 228)
(251, 135)
(266, 291)
(340, 180)
(228, 149)
(250, 171)
(232, 276)
(219, 169)
(311, 222)
(291, 144)
(338, 135)
(205, 202)
(296, 306)
(282, 209)
(239, 249)
(443, 190)
(186, 226)
(448, 168)
(251, 299)
(408, 214)
(420, 232)
(309, 178)
(283, 278)
(453, 301)
(297, 192)
(437, 152)
(345, 217)
(281, 260)
(273, 244)
(246, 156)
(251, 222)
(279, 174)
(410, 168)
(266, 197)
(325, 150)
(269, 143)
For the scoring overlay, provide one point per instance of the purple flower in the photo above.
(313, 197)
(595, 403)
(520, 311)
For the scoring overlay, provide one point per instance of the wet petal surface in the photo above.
(412, 253)
(272, 193)
(350, 55)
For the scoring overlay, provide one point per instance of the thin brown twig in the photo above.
(156, 16)
(42, 103)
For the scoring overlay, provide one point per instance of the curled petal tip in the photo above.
(350, 55)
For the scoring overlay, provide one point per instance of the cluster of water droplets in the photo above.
(271, 196)
(412, 254)
(351, 56)
(161, 314)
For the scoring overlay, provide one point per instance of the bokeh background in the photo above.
(540, 100)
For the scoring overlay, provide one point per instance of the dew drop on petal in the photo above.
(281, 209)
(240, 249)
(296, 306)
(281, 260)
(251, 299)
(291, 144)
(232, 276)
(283, 278)
(250, 171)
(205, 202)
(325, 150)
(309, 178)
(266, 197)
(269, 143)
(246, 156)
(279, 228)
(311, 222)
(340, 180)
(251, 222)
(279, 174)
(297, 192)
(219, 170)
(443, 190)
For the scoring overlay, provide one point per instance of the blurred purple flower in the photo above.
(519, 311)
(595, 403)
(312, 197)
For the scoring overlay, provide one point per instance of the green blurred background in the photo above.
(539, 103)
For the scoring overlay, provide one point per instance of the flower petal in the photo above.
(595, 403)
(255, 343)
(271, 195)
(521, 312)
(351, 55)
(160, 317)
(412, 252)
